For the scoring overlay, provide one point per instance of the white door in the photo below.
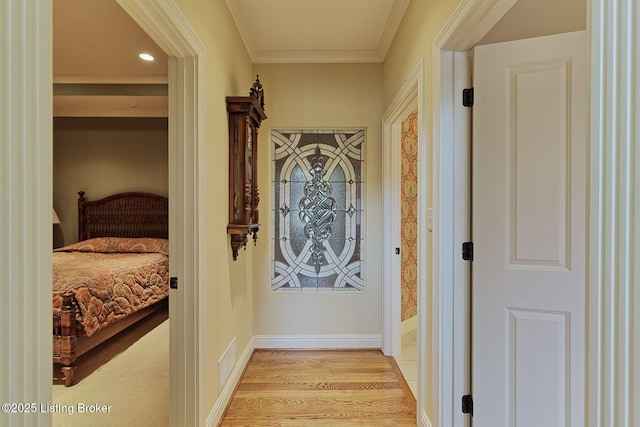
(528, 225)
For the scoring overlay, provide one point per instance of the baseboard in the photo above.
(318, 341)
(408, 325)
(424, 420)
(217, 412)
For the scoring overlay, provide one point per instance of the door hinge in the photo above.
(467, 251)
(173, 283)
(467, 404)
(467, 97)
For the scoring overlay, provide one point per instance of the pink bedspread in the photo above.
(111, 278)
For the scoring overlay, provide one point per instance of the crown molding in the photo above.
(316, 56)
(393, 23)
(238, 17)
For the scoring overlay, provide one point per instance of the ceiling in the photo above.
(96, 43)
(285, 31)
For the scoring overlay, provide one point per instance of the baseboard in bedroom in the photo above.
(217, 412)
(318, 341)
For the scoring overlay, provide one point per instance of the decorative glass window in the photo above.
(317, 210)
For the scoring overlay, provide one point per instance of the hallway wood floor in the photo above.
(321, 388)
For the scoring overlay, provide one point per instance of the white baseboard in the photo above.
(409, 325)
(217, 412)
(318, 341)
(424, 420)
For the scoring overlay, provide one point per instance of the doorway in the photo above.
(469, 24)
(167, 27)
(409, 101)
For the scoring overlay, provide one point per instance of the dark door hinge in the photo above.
(467, 97)
(173, 283)
(467, 251)
(467, 404)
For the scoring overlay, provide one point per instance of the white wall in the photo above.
(328, 96)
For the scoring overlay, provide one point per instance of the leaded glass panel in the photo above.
(317, 210)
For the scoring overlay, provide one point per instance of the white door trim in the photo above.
(410, 97)
(403, 104)
(26, 136)
(471, 20)
(165, 24)
(613, 380)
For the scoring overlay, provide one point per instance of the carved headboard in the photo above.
(132, 214)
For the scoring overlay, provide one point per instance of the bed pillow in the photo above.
(119, 245)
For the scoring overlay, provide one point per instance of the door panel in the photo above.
(528, 221)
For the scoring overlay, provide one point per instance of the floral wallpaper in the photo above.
(409, 216)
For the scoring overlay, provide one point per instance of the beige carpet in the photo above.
(128, 375)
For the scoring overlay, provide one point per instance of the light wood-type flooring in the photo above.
(321, 388)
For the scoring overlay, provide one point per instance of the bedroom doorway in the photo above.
(168, 28)
(164, 23)
(104, 146)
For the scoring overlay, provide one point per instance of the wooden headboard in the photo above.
(132, 214)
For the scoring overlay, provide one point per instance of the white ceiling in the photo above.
(96, 42)
(285, 31)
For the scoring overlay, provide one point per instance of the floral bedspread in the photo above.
(111, 278)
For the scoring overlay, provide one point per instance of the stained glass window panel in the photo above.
(317, 210)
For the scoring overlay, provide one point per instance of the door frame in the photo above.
(612, 48)
(169, 29)
(471, 20)
(409, 98)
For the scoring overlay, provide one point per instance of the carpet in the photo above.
(122, 382)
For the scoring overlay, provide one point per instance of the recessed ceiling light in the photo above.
(146, 57)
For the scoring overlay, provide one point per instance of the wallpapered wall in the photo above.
(409, 216)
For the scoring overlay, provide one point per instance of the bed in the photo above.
(115, 275)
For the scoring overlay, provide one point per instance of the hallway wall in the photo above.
(228, 293)
(317, 96)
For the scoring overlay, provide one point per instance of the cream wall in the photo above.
(414, 42)
(228, 293)
(102, 156)
(326, 96)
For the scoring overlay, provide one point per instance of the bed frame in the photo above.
(131, 214)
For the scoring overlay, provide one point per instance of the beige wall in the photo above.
(102, 156)
(326, 96)
(413, 42)
(229, 295)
